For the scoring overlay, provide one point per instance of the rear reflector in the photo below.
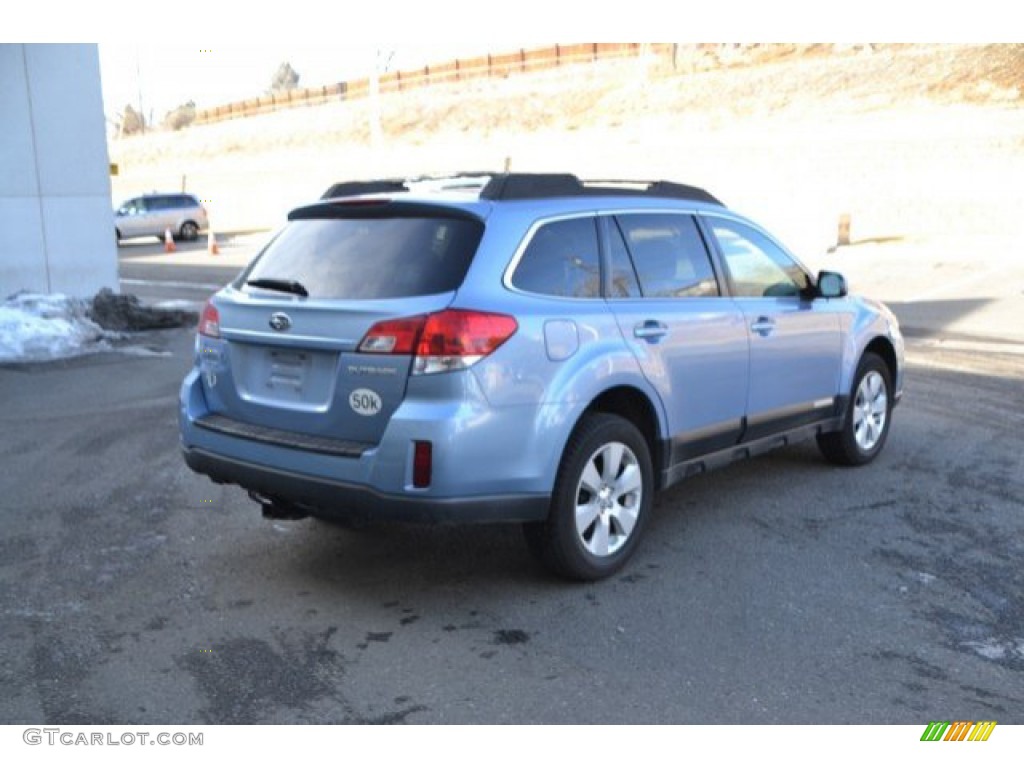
(422, 463)
(444, 341)
(209, 323)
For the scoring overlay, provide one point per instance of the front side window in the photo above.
(669, 255)
(756, 265)
(561, 260)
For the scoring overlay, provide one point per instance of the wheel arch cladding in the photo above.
(636, 407)
(882, 347)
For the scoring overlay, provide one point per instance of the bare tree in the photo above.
(181, 116)
(284, 79)
(132, 121)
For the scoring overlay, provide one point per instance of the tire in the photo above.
(867, 419)
(601, 502)
(189, 231)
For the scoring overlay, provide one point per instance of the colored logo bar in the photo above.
(959, 730)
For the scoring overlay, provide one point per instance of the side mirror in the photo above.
(831, 285)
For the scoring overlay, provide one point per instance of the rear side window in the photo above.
(561, 260)
(372, 258)
(669, 255)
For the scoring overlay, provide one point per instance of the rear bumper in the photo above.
(343, 499)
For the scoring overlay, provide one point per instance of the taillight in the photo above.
(457, 338)
(209, 323)
(444, 341)
(393, 337)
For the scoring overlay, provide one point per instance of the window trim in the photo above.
(605, 224)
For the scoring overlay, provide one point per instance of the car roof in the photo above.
(478, 193)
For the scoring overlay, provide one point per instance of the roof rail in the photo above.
(526, 186)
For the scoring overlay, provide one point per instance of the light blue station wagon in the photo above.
(525, 348)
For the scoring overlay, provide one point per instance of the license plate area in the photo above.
(279, 376)
(288, 370)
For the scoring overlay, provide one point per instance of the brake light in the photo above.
(362, 202)
(444, 341)
(209, 323)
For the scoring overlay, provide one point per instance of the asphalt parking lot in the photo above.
(780, 590)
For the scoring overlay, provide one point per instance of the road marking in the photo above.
(174, 284)
(954, 289)
(965, 345)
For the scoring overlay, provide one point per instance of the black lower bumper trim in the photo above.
(327, 497)
(330, 446)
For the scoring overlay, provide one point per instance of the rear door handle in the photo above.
(763, 325)
(650, 329)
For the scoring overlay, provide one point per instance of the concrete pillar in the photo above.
(56, 217)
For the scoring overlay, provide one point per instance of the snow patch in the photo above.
(137, 351)
(192, 306)
(36, 327)
(996, 649)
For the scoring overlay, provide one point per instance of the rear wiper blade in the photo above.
(287, 286)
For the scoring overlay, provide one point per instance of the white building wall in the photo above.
(56, 221)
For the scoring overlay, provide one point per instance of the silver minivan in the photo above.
(155, 213)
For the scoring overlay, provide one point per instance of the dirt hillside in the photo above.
(915, 141)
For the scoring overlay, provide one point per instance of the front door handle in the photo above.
(651, 329)
(763, 326)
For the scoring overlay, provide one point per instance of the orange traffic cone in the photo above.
(211, 243)
(169, 246)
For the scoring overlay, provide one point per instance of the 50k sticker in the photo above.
(365, 402)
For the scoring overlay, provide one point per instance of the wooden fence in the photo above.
(501, 65)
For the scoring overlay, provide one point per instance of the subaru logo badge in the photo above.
(279, 321)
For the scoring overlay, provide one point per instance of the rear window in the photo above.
(372, 258)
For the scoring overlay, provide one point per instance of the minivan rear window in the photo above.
(370, 258)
